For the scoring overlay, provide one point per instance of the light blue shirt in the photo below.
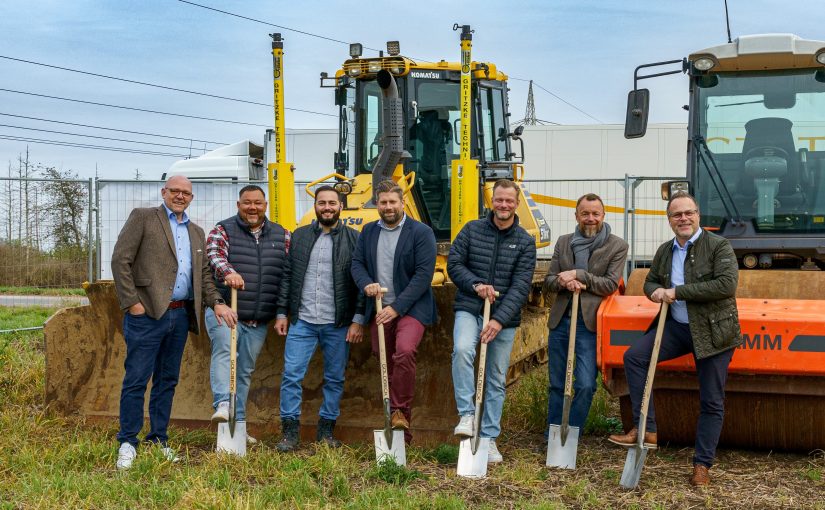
(316, 306)
(183, 252)
(678, 309)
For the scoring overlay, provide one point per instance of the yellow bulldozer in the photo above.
(441, 131)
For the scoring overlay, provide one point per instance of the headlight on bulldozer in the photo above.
(374, 67)
(354, 71)
(704, 63)
(670, 188)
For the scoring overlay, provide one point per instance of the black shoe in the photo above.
(291, 430)
(324, 434)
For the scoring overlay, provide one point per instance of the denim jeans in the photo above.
(154, 348)
(250, 341)
(584, 372)
(301, 341)
(712, 373)
(466, 337)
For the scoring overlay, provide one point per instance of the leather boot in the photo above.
(324, 433)
(631, 438)
(700, 476)
(289, 441)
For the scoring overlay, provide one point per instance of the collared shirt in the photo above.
(217, 250)
(183, 252)
(385, 257)
(678, 309)
(317, 302)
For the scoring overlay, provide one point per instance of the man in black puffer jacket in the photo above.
(325, 308)
(246, 252)
(489, 255)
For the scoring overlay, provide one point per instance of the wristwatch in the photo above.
(220, 301)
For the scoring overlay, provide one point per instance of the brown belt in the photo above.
(176, 304)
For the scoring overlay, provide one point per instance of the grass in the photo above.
(41, 291)
(48, 461)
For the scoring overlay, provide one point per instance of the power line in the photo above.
(303, 32)
(99, 137)
(112, 129)
(135, 109)
(89, 146)
(568, 103)
(165, 87)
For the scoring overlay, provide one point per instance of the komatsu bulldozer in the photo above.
(438, 129)
(756, 165)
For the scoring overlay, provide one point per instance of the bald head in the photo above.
(177, 194)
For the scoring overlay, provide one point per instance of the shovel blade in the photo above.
(473, 465)
(633, 465)
(562, 454)
(383, 450)
(232, 443)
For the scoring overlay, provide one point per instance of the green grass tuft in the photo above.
(391, 472)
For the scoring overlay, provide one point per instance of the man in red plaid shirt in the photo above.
(246, 252)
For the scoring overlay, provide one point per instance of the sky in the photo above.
(583, 52)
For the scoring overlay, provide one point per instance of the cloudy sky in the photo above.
(583, 52)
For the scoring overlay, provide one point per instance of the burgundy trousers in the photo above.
(402, 336)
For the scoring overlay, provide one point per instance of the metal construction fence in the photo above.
(60, 233)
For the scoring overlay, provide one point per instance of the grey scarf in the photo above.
(583, 246)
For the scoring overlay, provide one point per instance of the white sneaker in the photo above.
(169, 454)
(251, 440)
(221, 414)
(494, 456)
(125, 456)
(465, 426)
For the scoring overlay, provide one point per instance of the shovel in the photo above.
(474, 451)
(389, 443)
(563, 440)
(228, 441)
(636, 455)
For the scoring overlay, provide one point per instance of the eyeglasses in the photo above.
(684, 214)
(181, 192)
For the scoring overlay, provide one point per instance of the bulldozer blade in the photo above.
(562, 446)
(473, 464)
(232, 442)
(391, 446)
(633, 465)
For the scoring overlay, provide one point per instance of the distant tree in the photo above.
(65, 200)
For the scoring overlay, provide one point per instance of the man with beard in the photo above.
(489, 255)
(696, 273)
(247, 252)
(325, 308)
(591, 261)
(397, 253)
(162, 281)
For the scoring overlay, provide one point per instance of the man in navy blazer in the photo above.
(397, 253)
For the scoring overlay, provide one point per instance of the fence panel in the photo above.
(45, 232)
(213, 202)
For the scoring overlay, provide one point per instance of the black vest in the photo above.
(260, 263)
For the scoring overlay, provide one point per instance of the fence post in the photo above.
(98, 227)
(90, 253)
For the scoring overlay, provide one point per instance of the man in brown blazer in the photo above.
(590, 260)
(163, 281)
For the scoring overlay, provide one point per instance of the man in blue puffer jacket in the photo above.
(489, 255)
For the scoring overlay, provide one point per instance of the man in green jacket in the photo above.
(696, 273)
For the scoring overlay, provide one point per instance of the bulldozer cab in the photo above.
(431, 116)
(763, 131)
(756, 145)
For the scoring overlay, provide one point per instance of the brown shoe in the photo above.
(630, 439)
(398, 420)
(701, 476)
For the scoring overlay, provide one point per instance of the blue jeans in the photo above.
(466, 337)
(154, 348)
(584, 372)
(250, 341)
(301, 341)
